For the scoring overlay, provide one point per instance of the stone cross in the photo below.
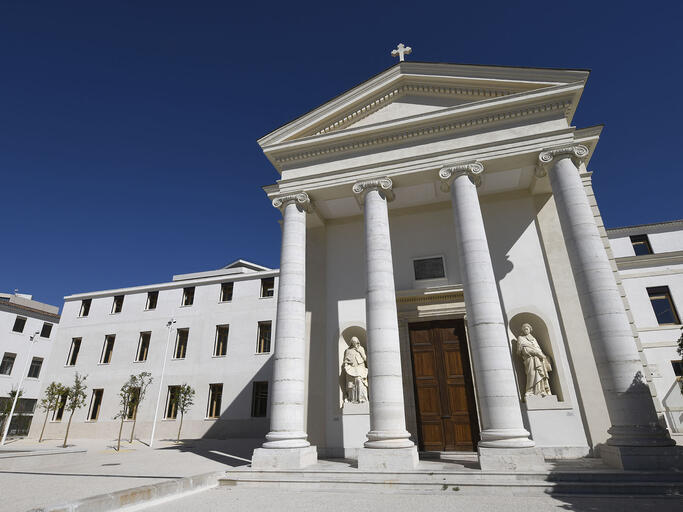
(401, 51)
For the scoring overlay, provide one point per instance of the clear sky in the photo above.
(128, 128)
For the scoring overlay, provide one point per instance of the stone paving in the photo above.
(259, 500)
(29, 482)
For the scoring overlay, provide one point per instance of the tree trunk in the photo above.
(47, 413)
(132, 430)
(181, 426)
(68, 426)
(118, 446)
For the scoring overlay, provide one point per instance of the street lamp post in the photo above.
(169, 326)
(21, 381)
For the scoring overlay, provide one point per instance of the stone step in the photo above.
(466, 482)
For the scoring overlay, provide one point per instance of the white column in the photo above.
(388, 445)
(499, 407)
(629, 404)
(287, 445)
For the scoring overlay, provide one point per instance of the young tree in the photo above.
(142, 382)
(184, 400)
(127, 391)
(75, 399)
(51, 402)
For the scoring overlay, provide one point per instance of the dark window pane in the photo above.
(429, 268)
(641, 245)
(46, 330)
(19, 324)
(662, 305)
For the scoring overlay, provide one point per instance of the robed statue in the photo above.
(356, 373)
(536, 364)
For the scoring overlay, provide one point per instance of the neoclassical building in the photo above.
(443, 250)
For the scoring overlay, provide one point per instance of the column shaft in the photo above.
(387, 413)
(287, 429)
(629, 404)
(499, 409)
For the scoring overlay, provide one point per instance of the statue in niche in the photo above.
(536, 364)
(356, 370)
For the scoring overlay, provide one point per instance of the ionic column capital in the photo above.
(577, 152)
(383, 184)
(449, 172)
(303, 202)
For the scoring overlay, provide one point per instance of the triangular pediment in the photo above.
(413, 90)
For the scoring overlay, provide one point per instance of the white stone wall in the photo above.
(236, 371)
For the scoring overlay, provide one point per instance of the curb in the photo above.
(137, 495)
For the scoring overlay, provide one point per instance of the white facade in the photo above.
(21, 318)
(646, 275)
(200, 366)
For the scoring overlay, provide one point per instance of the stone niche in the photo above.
(542, 335)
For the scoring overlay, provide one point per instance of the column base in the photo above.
(511, 459)
(642, 457)
(284, 458)
(387, 459)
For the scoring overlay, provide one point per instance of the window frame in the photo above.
(188, 297)
(31, 366)
(8, 355)
(659, 293)
(74, 342)
(42, 330)
(430, 280)
(270, 337)
(97, 392)
(171, 388)
(58, 413)
(148, 340)
(155, 294)
(19, 318)
(215, 343)
(106, 350)
(177, 340)
(642, 241)
(84, 310)
(117, 304)
(213, 404)
(231, 286)
(263, 400)
(263, 288)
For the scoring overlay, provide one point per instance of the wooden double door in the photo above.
(444, 392)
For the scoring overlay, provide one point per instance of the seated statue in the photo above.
(356, 370)
(536, 364)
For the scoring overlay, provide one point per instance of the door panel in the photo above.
(444, 393)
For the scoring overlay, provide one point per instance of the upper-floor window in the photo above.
(34, 369)
(152, 298)
(85, 307)
(220, 347)
(73, 352)
(429, 268)
(46, 330)
(181, 338)
(117, 305)
(267, 287)
(107, 349)
(188, 296)
(263, 341)
(641, 244)
(663, 305)
(226, 291)
(143, 346)
(7, 363)
(19, 324)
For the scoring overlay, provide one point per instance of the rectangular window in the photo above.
(663, 306)
(259, 399)
(19, 324)
(226, 292)
(152, 298)
(85, 307)
(181, 343)
(7, 363)
(58, 413)
(267, 287)
(117, 305)
(132, 410)
(641, 245)
(678, 368)
(220, 347)
(429, 268)
(73, 352)
(107, 349)
(143, 346)
(263, 342)
(95, 404)
(46, 330)
(34, 369)
(188, 296)
(215, 397)
(171, 411)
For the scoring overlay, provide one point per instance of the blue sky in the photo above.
(128, 137)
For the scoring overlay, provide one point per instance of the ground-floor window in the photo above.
(259, 399)
(172, 402)
(95, 404)
(215, 397)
